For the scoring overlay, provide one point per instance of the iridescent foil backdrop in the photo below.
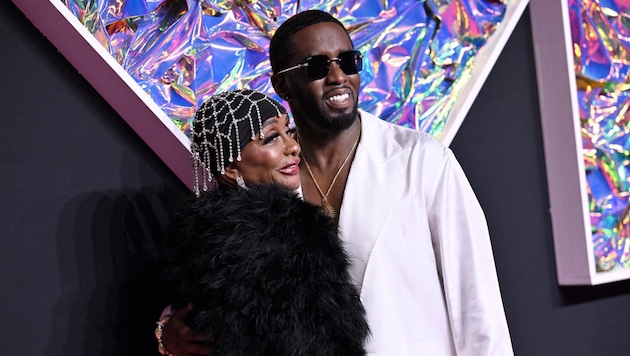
(418, 54)
(600, 32)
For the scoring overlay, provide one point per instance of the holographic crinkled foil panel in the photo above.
(600, 33)
(418, 54)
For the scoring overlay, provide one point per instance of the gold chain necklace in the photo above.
(328, 209)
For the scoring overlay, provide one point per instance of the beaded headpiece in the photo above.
(223, 125)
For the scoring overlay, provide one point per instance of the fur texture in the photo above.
(266, 273)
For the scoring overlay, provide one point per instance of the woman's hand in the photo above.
(181, 340)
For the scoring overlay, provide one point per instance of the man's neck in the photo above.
(325, 149)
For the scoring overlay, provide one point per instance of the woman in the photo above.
(265, 271)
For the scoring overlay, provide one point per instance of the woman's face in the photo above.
(273, 159)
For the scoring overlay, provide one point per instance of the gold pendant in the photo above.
(328, 209)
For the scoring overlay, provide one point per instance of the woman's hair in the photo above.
(223, 125)
(281, 47)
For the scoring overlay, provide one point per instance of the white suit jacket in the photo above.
(420, 248)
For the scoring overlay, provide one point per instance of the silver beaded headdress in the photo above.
(223, 125)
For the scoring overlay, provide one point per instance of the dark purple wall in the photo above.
(85, 202)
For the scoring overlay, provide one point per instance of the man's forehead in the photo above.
(320, 38)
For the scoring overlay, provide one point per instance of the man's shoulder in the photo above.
(405, 137)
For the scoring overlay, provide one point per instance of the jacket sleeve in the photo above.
(465, 264)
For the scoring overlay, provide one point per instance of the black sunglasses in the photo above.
(317, 67)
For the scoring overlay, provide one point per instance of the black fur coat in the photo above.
(266, 274)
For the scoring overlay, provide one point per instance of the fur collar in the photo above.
(266, 273)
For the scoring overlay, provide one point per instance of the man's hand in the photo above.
(180, 339)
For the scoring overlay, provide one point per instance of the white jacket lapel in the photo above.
(371, 191)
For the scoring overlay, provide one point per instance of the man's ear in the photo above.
(279, 85)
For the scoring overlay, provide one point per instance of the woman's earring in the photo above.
(240, 182)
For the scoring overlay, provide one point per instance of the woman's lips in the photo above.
(291, 169)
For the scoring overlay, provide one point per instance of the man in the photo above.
(409, 219)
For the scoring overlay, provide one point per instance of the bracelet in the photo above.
(158, 335)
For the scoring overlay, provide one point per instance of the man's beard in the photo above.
(324, 120)
(336, 123)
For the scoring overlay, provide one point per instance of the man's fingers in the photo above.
(181, 313)
(180, 339)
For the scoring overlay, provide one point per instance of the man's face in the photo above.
(331, 102)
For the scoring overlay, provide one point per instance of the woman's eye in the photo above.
(292, 131)
(270, 137)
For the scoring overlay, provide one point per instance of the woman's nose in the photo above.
(292, 147)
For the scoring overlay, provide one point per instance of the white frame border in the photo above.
(562, 140)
